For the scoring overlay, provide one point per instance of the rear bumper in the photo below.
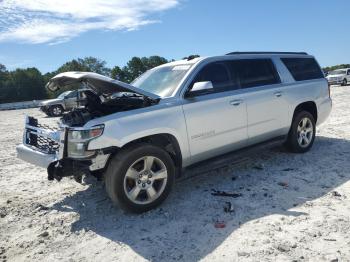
(324, 110)
(35, 157)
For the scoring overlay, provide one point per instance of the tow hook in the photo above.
(67, 167)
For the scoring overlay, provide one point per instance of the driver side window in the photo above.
(218, 74)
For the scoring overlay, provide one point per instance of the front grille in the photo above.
(39, 142)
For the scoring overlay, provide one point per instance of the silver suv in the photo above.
(139, 137)
(64, 102)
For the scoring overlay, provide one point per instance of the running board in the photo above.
(238, 157)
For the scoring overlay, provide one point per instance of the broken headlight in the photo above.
(78, 140)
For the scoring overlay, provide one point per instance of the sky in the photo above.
(47, 33)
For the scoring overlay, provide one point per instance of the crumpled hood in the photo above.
(99, 83)
(51, 102)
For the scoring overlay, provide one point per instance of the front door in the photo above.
(216, 120)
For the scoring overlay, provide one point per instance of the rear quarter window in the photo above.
(303, 68)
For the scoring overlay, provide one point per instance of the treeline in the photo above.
(29, 84)
(332, 68)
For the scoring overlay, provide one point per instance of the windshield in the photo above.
(338, 72)
(61, 96)
(161, 81)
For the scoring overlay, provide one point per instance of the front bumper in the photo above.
(41, 144)
(43, 109)
(335, 81)
(35, 157)
(45, 147)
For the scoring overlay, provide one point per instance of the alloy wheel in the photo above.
(57, 111)
(305, 132)
(145, 180)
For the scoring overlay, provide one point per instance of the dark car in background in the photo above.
(64, 102)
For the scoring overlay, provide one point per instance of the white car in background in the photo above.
(339, 77)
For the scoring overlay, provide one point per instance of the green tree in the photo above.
(332, 68)
(3, 74)
(73, 65)
(153, 61)
(29, 84)
(96, 65)
(134, 68)
(119, 74)
(137, 66)
(87, 64)
(23, 85)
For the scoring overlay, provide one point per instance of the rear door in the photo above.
(216, 120)
(267, 108)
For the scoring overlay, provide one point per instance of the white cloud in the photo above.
(55, 21)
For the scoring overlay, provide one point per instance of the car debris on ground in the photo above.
(225, 194)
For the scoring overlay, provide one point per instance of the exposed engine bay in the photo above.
(101, 96)
(92, 106)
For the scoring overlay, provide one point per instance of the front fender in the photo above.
(111, 139)
(132, 126)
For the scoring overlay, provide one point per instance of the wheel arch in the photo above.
(164, 140)
(57, 104)
(309, 106)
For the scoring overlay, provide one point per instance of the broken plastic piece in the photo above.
(225, 194)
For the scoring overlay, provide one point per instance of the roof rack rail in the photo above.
(267, 53)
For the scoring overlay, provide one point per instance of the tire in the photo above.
(345, 82)
(302, 133)
(135, 186)
(56, 110)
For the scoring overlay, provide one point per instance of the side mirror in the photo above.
(200, 86)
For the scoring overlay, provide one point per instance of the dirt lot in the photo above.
(292, 208)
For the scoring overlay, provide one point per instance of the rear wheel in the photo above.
(302, 133)
(140, 178)
(56, 110)
(345, 82)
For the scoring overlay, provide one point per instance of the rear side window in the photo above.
(255, 72)
(303, 68)
(72, 94)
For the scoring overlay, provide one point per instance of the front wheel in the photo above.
(344, 83)
(56, 110)
(302, 133)
(140, 177)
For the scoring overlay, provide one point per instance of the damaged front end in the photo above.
(64, 151)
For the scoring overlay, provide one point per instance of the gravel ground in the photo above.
(292, 207)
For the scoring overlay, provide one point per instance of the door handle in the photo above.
(278, 94)
(236, 102)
